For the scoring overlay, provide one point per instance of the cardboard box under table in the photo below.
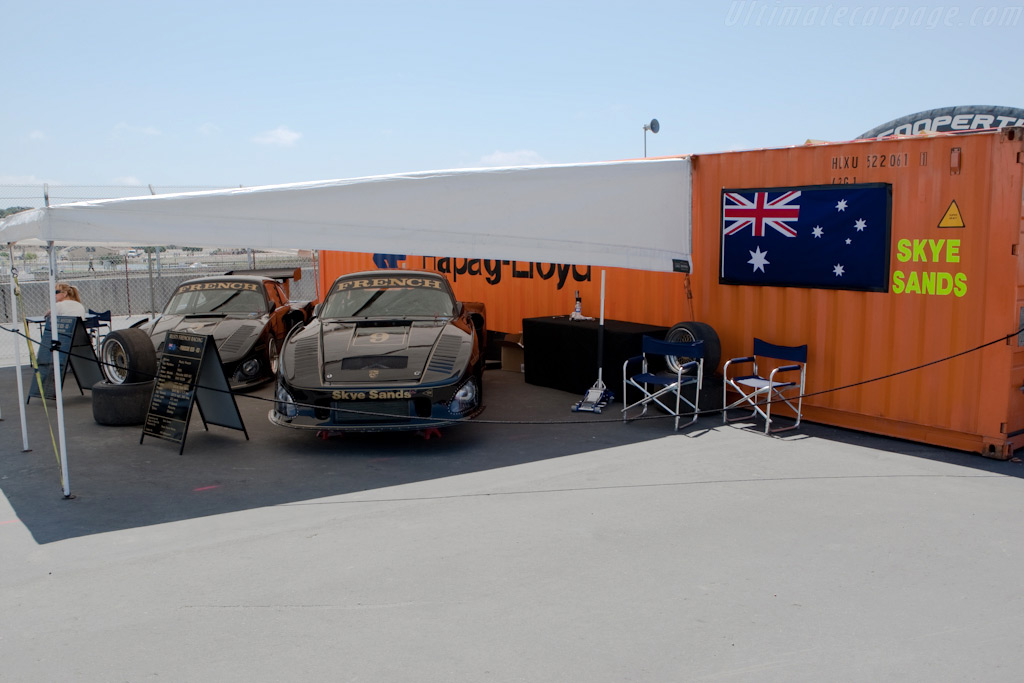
(512, 352)
(561, 353)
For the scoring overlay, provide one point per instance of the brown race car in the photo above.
(248, 316)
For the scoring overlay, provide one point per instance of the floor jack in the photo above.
(596, 398)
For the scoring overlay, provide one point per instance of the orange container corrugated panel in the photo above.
(864, 346)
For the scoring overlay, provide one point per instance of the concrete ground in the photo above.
(535, 544)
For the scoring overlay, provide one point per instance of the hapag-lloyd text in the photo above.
(494, 270)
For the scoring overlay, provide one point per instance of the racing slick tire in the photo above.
(127, 357)
(691, 331)
(121, 404)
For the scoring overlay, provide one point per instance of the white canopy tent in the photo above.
(629, 214)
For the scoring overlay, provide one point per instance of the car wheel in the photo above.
(273, 354)
(121, 404)
(691, 331)
(128, 357)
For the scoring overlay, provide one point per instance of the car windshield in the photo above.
(387, 302)
(193, 299)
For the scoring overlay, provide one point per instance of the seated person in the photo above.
(68, 301)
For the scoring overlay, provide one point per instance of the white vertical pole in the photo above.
(17, 352)
(152, 294)
(600, 339)
(316, 272)
(57, 388)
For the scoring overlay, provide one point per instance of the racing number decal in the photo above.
(379, 337)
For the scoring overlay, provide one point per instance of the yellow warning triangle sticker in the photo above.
(952, 217)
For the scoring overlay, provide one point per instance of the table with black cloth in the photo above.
(561, 353)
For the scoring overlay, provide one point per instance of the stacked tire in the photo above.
(128, 356)
(691, 331)
(121, 404)
(128, 361)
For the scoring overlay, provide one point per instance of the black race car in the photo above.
(248, 315)
(387, 350)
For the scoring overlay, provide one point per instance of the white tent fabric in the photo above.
(630, 214)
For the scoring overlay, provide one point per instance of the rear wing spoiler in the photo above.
(282, 274)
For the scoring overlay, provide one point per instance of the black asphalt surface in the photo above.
(119, 483)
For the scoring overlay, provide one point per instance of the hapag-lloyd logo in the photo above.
(494, 271)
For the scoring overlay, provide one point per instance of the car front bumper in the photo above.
(378, 408)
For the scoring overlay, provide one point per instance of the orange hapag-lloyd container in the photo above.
(860, 343)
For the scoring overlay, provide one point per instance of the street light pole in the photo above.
(654, 127)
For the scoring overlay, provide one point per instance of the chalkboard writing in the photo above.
(190, 373)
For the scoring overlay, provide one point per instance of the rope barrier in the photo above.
(478, 420)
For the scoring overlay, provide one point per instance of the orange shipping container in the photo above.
(951, 290)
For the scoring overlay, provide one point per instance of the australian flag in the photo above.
(822, 236)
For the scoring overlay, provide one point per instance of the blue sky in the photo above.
(251, 93)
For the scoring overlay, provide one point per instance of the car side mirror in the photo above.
(316, 310)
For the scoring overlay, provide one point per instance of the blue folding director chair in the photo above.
(759, 391)
(97, 325)
(666, 368)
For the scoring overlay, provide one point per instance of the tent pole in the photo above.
(152, 294)
(127, 286)
(58, 390)
(316, 273)
(598, 396)
(17, 351)
(600, 338)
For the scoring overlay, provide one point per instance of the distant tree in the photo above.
(154, 250)
(191, 248)
(13, 209)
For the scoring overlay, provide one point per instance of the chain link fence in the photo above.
(131, 283)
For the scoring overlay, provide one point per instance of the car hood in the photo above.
(234, 335)
(409, 351)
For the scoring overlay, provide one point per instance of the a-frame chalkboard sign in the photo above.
(190, 373)
(81, 358)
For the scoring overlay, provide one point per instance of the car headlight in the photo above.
(249, 369)
(465, 399)
(285, 403)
